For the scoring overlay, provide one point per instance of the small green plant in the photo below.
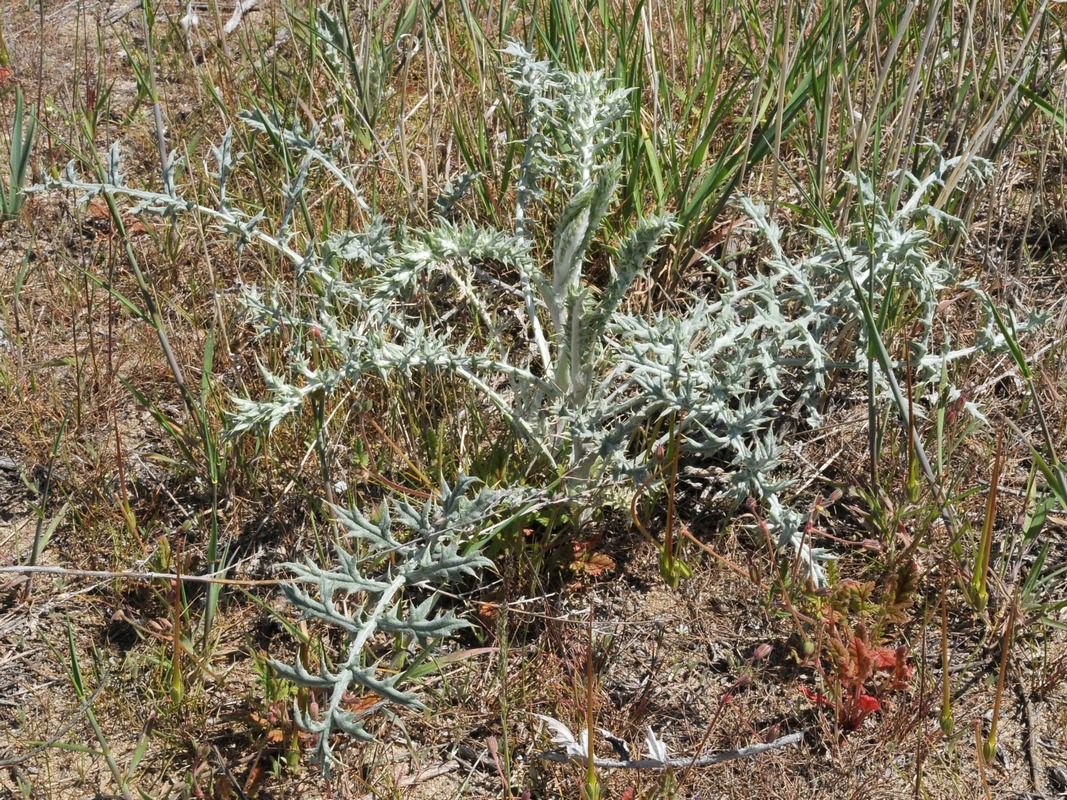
(358, 69)
(87, 700)
(976, 590)
(585, 385)
(859, 674)
(855, 666)
(23, 125)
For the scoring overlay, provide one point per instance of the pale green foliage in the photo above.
(365, 594)
(554, 388)
(894, 252)
(23, 125)
(582, 381)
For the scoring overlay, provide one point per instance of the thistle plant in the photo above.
(583, 379)
(591, 389)
(894, 261)
(584, 383)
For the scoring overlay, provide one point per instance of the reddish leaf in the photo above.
(858, 709)
(815, 697)
(862, 661)
(867, 704)
(276, 735)
(589, 562)
(895, 662)
(885, 659)
(487, 613)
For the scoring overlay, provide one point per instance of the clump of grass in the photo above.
(23, 126)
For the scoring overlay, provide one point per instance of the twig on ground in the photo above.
(117, 14)
(138, 576)
(674, 763)
(240, 8)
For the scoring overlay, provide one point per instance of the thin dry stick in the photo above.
(989, 750)
(668, 534)
(1033, 746)
(675, 763)
(138, 576)
(723, 559)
